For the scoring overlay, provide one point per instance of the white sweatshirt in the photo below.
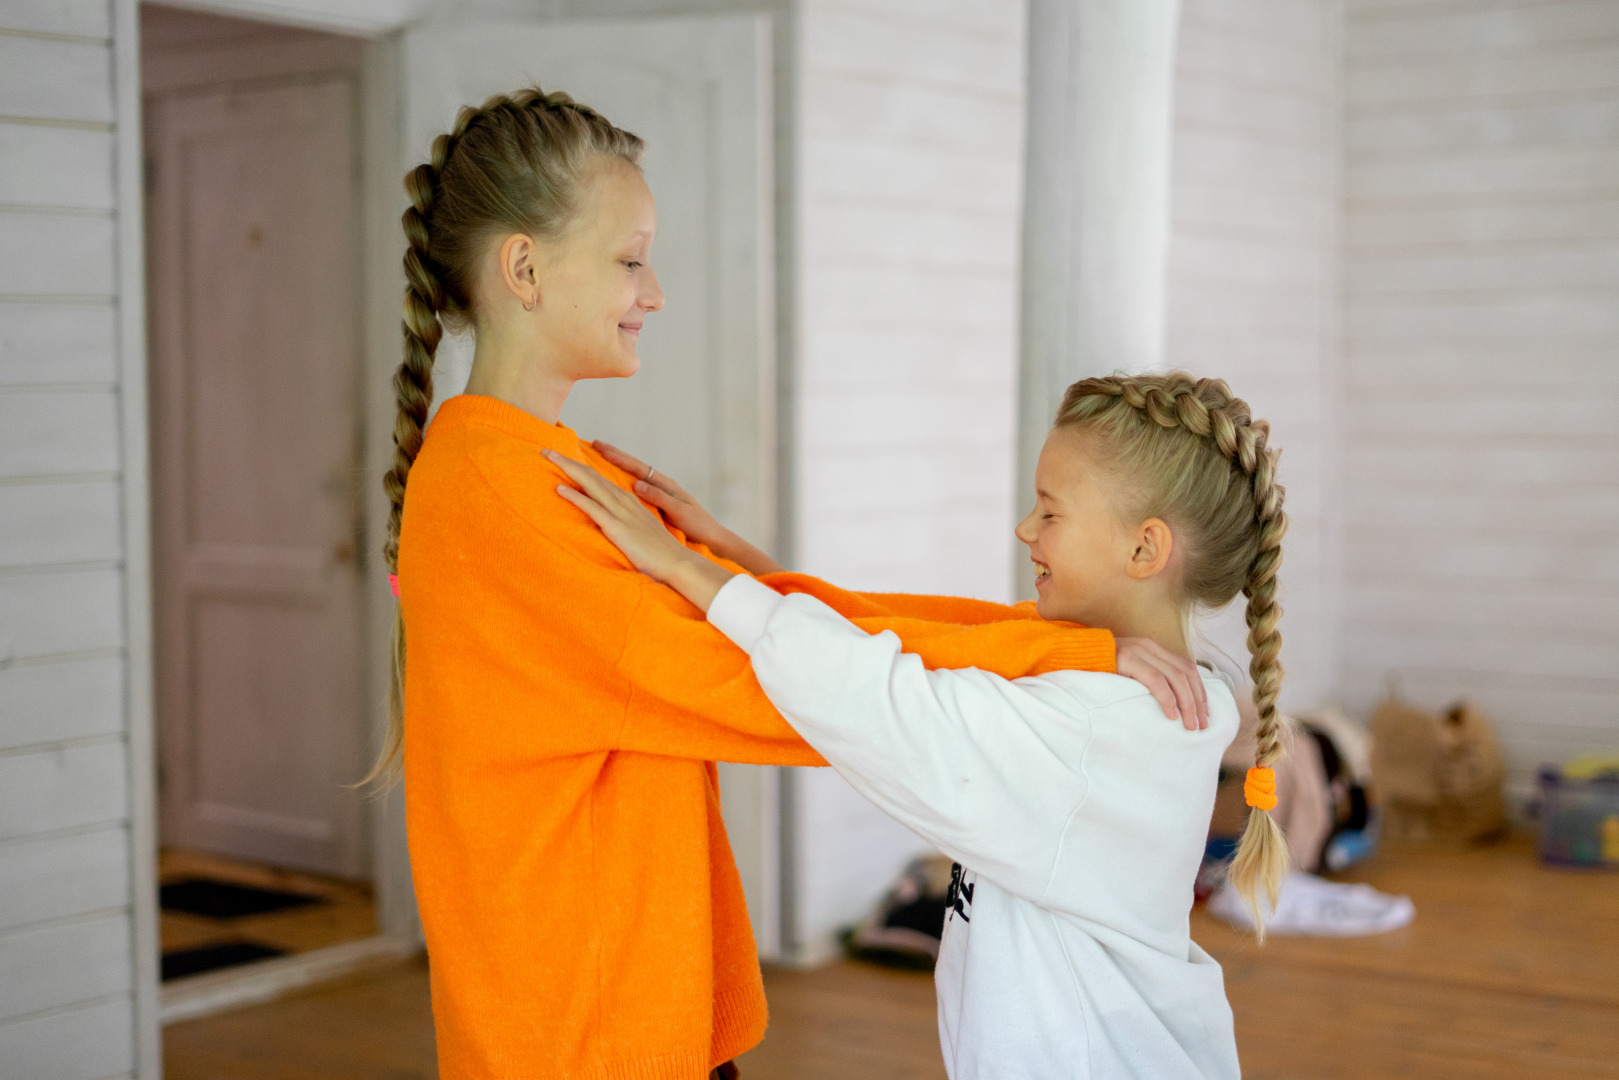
(1080, 813)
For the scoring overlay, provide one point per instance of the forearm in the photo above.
(697, 579)
(729, 545)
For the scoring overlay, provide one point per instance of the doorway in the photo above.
(252, 166)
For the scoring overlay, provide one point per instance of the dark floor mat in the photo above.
(222, 900)
(183, 962)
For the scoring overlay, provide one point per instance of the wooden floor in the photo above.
(347, 912)
(1511, 970)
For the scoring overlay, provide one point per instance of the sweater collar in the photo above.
(492, 412)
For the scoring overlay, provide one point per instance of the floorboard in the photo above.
(1510, 971)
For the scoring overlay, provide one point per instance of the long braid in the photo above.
(1236, 523)
(512, 164)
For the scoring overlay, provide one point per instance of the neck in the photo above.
(1158, 621)
(509, 370)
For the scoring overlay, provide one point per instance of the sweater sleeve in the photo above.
(687, 691)
(954, 632)
(986, 769)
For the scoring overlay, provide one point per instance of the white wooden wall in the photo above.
(1482, 323)
(909, 129)
(77, 961)
(1252, 278)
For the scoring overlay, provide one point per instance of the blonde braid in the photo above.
(513, 164)
(1221, 559)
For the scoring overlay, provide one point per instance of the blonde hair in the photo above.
(515, 164)
(1194, 456)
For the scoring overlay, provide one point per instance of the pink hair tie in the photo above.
(393, 583)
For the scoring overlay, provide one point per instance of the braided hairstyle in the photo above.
(518, 163)
(1195, 457)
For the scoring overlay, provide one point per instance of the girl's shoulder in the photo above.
(1125, 701)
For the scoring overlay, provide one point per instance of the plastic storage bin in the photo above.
(1579, 819)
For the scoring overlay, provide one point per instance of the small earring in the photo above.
(528, 305)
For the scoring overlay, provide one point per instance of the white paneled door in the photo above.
(255, 437)
(702, 407)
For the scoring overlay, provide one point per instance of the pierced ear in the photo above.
(518, 269)
(1154, 543)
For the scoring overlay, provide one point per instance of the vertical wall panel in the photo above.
(1252, 279)
(907, 190)
(72, 699)
(92, 1042)
(69, 337)
(63, 963)
(58, 877)
(1482, 326)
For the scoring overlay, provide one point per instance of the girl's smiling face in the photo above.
(597, 290)
(586, 293)
(1088, 560)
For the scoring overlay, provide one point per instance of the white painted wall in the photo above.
(77, 949)
(1252, 279)
(908, 175)
(1482, 368)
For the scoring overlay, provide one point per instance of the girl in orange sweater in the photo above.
(562, 712)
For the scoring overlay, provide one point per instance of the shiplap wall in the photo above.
(908, 178)
(1252, 278)
(1482, 322)
(68, 932)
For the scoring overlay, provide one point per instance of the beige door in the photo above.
(255, 421)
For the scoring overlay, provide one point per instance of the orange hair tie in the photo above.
(1260, 788)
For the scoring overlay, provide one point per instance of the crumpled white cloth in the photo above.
(1314, 907)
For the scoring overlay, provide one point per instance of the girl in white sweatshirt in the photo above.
(1076, 813)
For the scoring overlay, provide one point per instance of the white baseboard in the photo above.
(253, 984)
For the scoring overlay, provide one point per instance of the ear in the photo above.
(519, 268)
(1154, 543)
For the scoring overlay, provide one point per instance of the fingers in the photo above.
(1186, 685)
(655, 495)
(1173, 681)
(1157, 684)
(590, 506)
(593, 482)
(639, 469)
(628, 462)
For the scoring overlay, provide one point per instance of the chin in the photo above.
(616, 368)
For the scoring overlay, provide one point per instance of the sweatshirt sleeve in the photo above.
(987, 769)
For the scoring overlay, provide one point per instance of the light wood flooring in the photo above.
(1510, 971)
(347, 914)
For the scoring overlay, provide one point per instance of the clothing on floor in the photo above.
(563, 714)
(1078, 811)
(1311, 906)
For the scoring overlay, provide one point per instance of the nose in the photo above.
(1025, 530)
(652, 293)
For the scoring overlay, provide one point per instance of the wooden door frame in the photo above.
(381, 284)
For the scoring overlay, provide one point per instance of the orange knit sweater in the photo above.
(584, 916)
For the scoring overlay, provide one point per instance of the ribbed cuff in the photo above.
(740, 1018)
(741, 609)
(1081, 650)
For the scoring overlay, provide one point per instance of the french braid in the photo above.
(515, 164)
(1204, 464)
